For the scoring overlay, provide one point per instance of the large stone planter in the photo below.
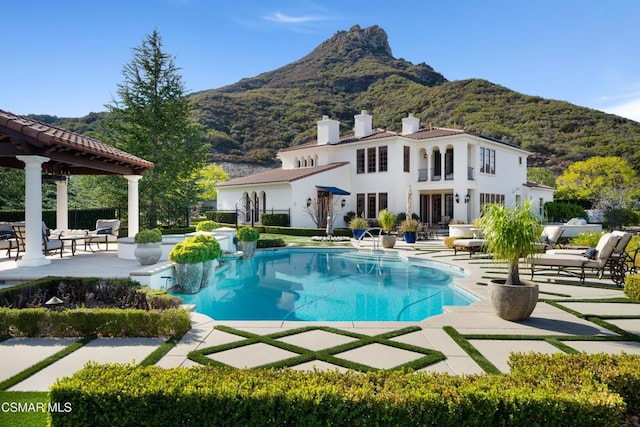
(148, 253)
(388, 241)
(247, 248)
(189, 277)
(208, 272)
(513, 302)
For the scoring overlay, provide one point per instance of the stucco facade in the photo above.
(444, 174)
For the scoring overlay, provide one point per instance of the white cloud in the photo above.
(628, 109)
(288, 19)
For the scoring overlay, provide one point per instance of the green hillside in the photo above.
(355, 70)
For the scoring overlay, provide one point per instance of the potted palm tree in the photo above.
(387, 221)
(247, 241)
(148, 250)
(410, 228)
(510, 234)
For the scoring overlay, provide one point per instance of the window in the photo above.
(360, 204)
(487, 161)
(407, 159)
(360, 161)
(486, 198)
(371, 206)
(541, 206)
(520, 160)
(383, 160)
(371, 159)
(382, 201)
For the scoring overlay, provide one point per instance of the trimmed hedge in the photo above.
(225, 217)
(279, 219)
(632, 287)
(150, 395)
(619, 372)
(110, 322)
(270, 243)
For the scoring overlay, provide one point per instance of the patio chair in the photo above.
(551, 234)
(8, 239)
(106, 231)
(48, 245)
(568, 263)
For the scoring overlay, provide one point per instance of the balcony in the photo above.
(470, 176)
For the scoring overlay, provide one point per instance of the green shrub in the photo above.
(632, 287)
(348, 217)
(617, 218)
(148, 236)
(222, 217)
(561, 212)
(273, 219)
(409, 226)
(358, 224)
(619, 372)
(386, 219)
(79, 322)
(248, 234)
(109, 394)
(189, 252)
(270, 243)
(213, 247)
(304, 232)
(588, 239)
(207, 225)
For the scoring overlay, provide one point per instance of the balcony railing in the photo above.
(470, 176)
(423, 175)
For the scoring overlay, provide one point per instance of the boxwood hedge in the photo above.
(136, 395)
(632, 287)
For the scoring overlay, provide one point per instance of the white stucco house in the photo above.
(439, 174)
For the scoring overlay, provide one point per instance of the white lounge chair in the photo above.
(106, 231)
(569, 263)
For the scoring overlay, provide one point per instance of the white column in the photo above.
(133, 205)
(33, 255)
(62, 205)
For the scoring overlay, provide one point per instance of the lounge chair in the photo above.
(48, 245)
(551, 234)
(106, 231)
(568, 263)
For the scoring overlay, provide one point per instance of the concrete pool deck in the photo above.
(494, 338)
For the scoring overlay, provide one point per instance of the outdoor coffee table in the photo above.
(73, 239)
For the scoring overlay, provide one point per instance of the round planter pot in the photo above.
(513, 302)
(247, 248)
(410, 237)
(148, 253)
(357, 233)
(189, 277)
(208, 271)
(388, 241)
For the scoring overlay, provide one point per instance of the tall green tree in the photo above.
(541, 176)
(609, 182)
(152, 118)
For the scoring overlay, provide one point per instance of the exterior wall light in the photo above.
(467, 198)
(457, 197)
(309, 202)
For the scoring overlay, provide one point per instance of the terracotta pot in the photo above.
(513, 302)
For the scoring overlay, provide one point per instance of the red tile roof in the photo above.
(70, 151)
(281, 175)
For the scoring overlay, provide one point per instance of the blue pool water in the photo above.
(329, 285)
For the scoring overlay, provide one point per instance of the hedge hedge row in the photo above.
(134, 395)
(111, 322)
(632, 287)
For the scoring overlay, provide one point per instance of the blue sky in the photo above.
(65, 57)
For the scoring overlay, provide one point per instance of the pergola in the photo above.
(39, 149)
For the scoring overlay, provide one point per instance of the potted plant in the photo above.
(207, 226)
(510, 234)
(189, 257)
(148, 250)
(410, 228)
(214, 253)
(387, 221)
(247, 241)
(358, 226)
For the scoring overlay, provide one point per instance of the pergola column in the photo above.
(33, 255)
(133, 205)
(62, 205)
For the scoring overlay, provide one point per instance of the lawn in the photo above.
(30, 400)
(301, 240)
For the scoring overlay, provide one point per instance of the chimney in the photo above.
(362, 126)
(410, 124)
(328, 131)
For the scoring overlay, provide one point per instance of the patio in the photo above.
(568, 317)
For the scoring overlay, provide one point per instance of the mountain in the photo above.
(355, 70)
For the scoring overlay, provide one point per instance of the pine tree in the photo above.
(152, 118)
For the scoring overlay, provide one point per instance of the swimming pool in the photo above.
(330, 285)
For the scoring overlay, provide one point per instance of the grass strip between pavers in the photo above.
(473, 352)
(326, 355)
(21, 376)
(159, 352)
